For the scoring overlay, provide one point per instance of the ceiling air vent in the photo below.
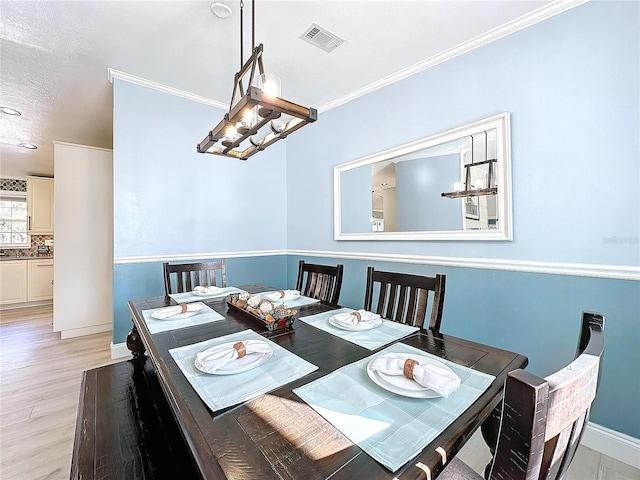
(321, 38)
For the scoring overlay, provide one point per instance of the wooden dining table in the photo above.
(279, 436)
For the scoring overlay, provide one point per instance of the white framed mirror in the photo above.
(455, 185)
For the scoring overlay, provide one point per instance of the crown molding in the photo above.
(543, 13)
(539, 15)
(111, 74)
(67, 144)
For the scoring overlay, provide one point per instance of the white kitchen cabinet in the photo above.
(40, 205)
(13, 281)
(40, 280)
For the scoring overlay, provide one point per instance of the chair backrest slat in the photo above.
(403, 297)
(180, 278)
(322, 282)
(543, 419)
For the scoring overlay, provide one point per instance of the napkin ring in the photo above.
(357, 315)
(241, 349)
(184, 307)
(282, 293)
(407, 371)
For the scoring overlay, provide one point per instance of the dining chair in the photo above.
(190, 275)
(403, 297)
(322, 282)
(543, 419)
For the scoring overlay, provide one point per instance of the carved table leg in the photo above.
(490, 429)
(135, 345)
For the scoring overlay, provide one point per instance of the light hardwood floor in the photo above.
(39, 388)
(40, 384)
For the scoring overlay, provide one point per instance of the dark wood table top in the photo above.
(278, 435)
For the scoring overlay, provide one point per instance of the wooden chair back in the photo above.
(187, 276)
(543, 419)
(320, 281)
(403, 297)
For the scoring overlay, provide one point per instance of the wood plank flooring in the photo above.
(39, 389)
(40, 385)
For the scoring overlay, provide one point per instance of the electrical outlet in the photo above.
(49, 243)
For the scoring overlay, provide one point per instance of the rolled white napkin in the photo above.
(352, 319)
(208, 290)
(281, 295)
(436, 378)
(214, 359)
(167, 312)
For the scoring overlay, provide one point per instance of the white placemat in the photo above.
(298, 302)
(187, 297)
(375, 338)
(390, 428)
(205, 315)
(221, 391)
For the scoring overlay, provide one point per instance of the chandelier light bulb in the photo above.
(270, 84)
(230, 136)
(248, 121)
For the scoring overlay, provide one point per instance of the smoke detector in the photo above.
(321, 38)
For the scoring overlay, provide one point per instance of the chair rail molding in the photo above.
(616, 272)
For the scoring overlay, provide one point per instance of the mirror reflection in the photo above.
(455, 185)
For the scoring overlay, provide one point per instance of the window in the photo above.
(13, 220)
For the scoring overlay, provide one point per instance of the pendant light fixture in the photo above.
(257, 116)
(470, 190)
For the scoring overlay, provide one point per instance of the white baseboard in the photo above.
(616, 445)
(79, 332)
(119, 350)
(13, 306)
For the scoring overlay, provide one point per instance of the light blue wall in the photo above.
(419, 184)
(571, 86)
(170, 199)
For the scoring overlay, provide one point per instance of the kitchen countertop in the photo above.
(25, 257)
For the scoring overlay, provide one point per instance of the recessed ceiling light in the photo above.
(30, 146)
(10, 111)
(221, 10)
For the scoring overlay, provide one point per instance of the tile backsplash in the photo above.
(13, 185)
(28, 252)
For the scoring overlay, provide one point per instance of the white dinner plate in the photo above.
(402, 385)
(205, 294)
(289, 295)
(239, 365)
(358, 327)
(180, 316)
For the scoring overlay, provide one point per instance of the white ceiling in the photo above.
(55, 55)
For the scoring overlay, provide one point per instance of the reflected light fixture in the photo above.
(466, 189)
(258, 116)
